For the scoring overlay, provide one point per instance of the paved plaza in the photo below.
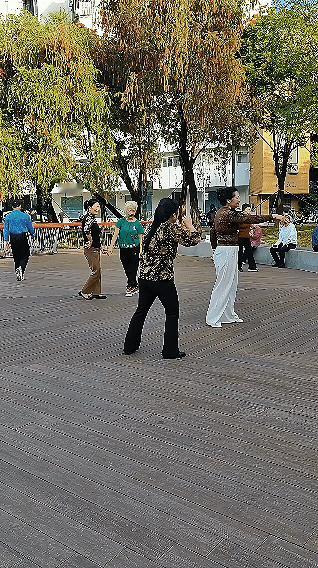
(135, 462)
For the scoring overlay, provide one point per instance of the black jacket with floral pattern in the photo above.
(157, 262)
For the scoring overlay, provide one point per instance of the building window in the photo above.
(242, 158)
(171, 162)
(72, 206)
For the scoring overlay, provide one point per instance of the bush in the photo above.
(270, 235)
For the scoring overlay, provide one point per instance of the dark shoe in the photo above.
(241, 270)
(99, 297)
(19, 274)
(178, 355)
(275, 265)
(85, 296)
(281, 266)
(129, 352)
(252, 270)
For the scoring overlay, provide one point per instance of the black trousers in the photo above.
(167, 293)
(278, 253)
(20, 250)
(246, 253)
(130, 260)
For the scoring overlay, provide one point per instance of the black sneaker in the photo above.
(178, 355)
(99, 297)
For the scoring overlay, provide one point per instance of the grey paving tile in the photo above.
(206, 462)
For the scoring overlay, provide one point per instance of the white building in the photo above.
(10, 7)
(210, 176)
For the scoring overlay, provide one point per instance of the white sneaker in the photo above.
(129, 293)
(85, 296)
(218, 325)
(19, 274)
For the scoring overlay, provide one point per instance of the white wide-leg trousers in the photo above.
(221, 308)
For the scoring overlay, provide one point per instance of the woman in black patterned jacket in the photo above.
(157, 276)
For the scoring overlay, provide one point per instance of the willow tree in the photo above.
(280, 53)
(181, 59)
(48, 86)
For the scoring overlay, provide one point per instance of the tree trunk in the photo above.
(51, 215)
(39, 202)
(187, 163)
(281, 170)
(122, 164)
(280, 194)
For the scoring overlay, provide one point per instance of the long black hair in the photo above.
(89, 203)
(165, 208)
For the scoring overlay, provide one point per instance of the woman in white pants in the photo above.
(224, 242)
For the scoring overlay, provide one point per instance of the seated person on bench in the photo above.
(287, 240)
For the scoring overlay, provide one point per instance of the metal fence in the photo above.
(50, 237)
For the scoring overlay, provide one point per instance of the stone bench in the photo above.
(299, 259)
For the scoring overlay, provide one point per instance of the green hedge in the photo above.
(304, 235)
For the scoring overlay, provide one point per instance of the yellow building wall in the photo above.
(263, 179)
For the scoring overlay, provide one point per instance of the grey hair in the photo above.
(130, 205)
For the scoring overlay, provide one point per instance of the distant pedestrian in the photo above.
(157, 276)
(256, 235)
(210, 217)
(287, 240)
(245, 253)
(17, 227)
(314, 239)
(129, 233)
(92, 246)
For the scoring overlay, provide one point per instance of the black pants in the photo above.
(278, 253)
(20, 250)
(246, 252)
(149, 290)
(130, 260)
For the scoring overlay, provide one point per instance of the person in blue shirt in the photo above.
(17, 226)
(315, 240)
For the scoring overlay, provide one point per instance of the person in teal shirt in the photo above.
(129, 233)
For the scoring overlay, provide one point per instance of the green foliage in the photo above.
(280, 54)
(304, 235)
(49, 94)
(12, 159)
(177, 75)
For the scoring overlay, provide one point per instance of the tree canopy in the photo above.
(48, 94)
(280, 53)
(180, 61)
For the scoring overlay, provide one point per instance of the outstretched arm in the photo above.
(113, 241)
(186, 234)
